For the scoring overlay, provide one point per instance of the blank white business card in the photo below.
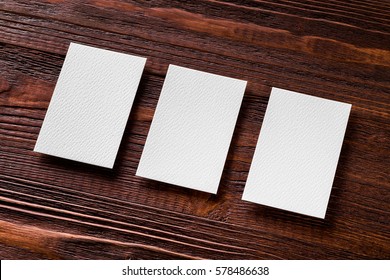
(192, 128)
(90, 105)
(296, 156)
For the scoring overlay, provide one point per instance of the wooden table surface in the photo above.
(56, 208)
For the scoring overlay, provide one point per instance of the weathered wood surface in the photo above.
(55, 208)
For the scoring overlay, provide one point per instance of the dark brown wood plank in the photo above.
(55, 208)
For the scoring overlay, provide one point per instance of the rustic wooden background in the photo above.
(55, 208)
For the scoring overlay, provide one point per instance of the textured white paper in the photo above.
(297, 153)
(192, 128)
(90, 105)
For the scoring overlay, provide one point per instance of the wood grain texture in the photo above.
(55, 208)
